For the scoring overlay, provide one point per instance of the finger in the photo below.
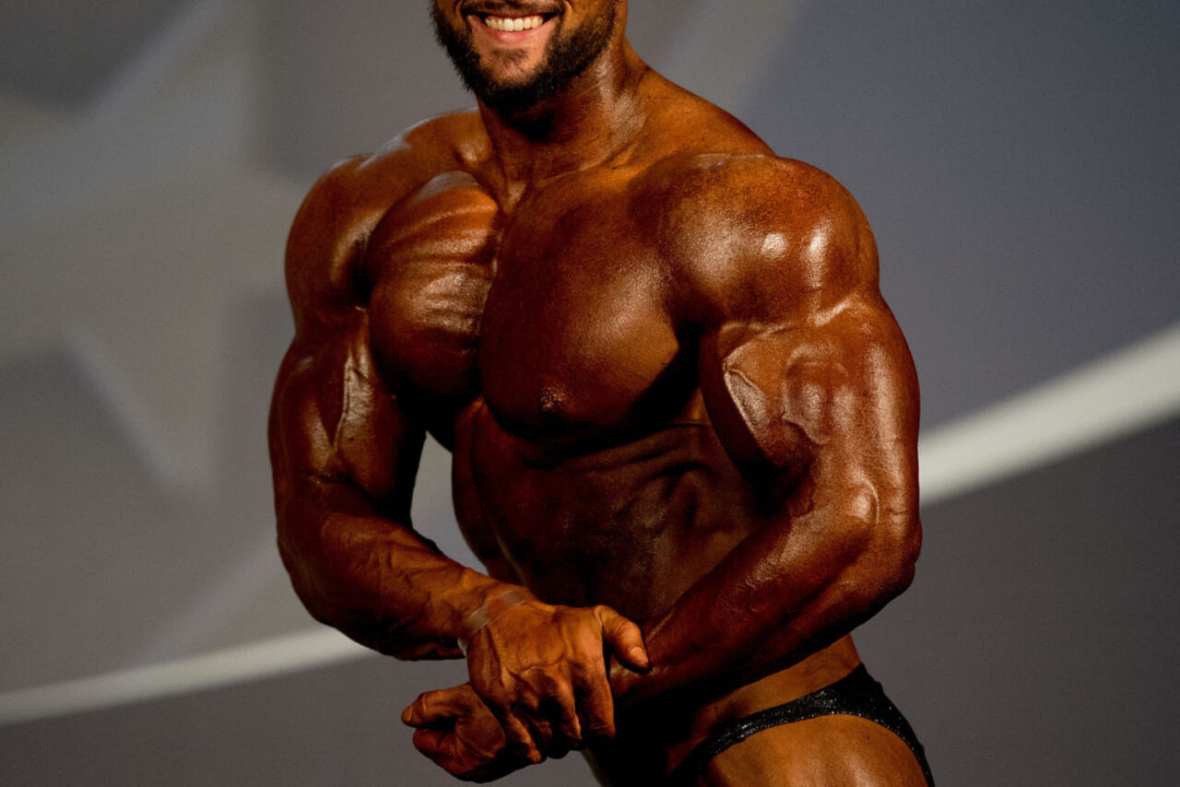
(596, 708)
(624, 638)
(520, 740)
(444, 751)
(542, 733)
(529, 710)
(564, 711)
(432, 743)
(520, 745)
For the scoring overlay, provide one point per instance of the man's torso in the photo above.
(543, 338)
(540, 344)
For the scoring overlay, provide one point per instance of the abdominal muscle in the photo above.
(632, 526)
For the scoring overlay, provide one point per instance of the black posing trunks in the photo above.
(856, 694)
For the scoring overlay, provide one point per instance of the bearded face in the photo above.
(514, 54)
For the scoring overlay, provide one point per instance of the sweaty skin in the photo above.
(682, 420)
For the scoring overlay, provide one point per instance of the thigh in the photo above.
(829, 751)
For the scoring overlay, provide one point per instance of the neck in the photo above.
(596, 117)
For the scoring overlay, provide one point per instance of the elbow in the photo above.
(888, 534)
(885, 564)
(897, 545)
(303, 580)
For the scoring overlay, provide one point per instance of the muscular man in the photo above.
(682, 420)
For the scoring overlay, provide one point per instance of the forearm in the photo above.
(783, 593)
(374, 577)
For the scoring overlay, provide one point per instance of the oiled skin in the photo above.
(670, 386)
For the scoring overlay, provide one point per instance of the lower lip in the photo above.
(516, 37)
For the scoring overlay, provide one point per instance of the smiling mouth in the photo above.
(511, 27)
(513, 24)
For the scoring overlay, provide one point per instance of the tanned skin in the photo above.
(683, 422)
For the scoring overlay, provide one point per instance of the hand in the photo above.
(541, 670)
(460, 735)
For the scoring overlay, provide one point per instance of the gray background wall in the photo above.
(1017, 161)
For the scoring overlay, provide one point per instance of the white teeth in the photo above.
(513, 24)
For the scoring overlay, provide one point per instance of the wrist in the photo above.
(495, 604)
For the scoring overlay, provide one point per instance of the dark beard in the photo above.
(564, 60)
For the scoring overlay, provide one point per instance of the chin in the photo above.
(513, 80)
(511, 74)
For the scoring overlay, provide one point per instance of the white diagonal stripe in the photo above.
(1116, 394)
(289, 653)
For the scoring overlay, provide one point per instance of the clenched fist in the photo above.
(458, 732)
(541, 671)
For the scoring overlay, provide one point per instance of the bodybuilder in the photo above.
(682, 422)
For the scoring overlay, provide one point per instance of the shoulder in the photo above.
(359, 184)
(754, 232)
(739, 199)
(347, 202)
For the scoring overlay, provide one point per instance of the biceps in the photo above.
(334, 420)
(837, 399)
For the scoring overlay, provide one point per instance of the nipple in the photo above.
(552, 401)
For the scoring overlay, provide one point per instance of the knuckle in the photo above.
(551, 684)
(590, 653)
(527, 700)
(524, 750)
(520, 743)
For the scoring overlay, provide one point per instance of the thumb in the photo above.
(624, 638)
(433, 709)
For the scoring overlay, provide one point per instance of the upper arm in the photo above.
(803, 368)
(333, 418)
